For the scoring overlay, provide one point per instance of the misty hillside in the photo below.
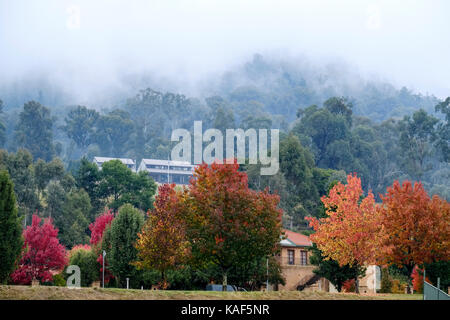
(278, 86)
(333, 122)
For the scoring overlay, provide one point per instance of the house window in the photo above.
(291, 256)
(303, 258)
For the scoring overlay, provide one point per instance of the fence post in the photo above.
(423, 289)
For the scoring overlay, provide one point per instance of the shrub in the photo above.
(349, 285)
(386, 282)
(398, 286)
(86, 259)
(417, 279)
(58, 280)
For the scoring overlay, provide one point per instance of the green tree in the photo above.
(56, 196)
(114, 131)
(386, 281)
(46, 171)
(322, 127)
(330, 269)
(125, 186)
(34, 131)
(20, 169)
(443, 130)
(88, 178)
(340, 106)
(2, 127)
(80, 125)
(417, 135)
(123, 235)
(72, 221)
(297, 164)
(439, 269)
(10, 229)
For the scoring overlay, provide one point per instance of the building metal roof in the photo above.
(172, 171)
(164, 162)
(294, 239)
(105, 159)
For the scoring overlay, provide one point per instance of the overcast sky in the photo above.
(407, 42)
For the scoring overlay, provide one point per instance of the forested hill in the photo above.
(277, 86)
(282, 86)
(333, 123)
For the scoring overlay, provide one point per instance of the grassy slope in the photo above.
(62, 293)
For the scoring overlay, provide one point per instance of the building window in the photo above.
(303, 258)
(291, 256)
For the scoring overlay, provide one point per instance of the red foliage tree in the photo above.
(417, 279)
(98, 228)
(99, 225)
(415, 228)
(348, 285)
(42, 253)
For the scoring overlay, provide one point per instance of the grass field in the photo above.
(63, 293)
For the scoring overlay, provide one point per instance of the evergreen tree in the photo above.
(2, 127)
(123, 235)
(34, 131)
(10, 230)
(330, 269)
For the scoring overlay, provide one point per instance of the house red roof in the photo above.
(297, 238)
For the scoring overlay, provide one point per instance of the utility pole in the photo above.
(168, 168)
(103, 269)
(267, 274)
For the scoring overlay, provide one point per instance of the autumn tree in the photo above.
(348, 234)
(415, 228)
(10, 229)
(162, 244)
(42, 253)
(98, 228)
(228, 223)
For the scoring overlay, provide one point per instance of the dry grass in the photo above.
(63, 293)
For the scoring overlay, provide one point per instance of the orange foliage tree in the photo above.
(162, 244)
(349, 233)
(415, 228)
(230, 224)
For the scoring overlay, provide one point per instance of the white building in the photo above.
(168, 171)
(130, 163)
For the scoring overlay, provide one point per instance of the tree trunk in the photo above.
(224, 282)
(163, 281)
(356, 284)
